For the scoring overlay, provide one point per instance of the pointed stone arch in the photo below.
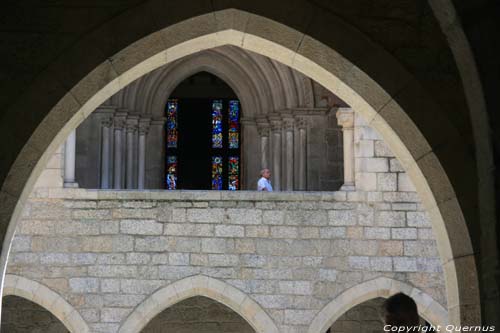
(378, 99)
(46, 298)
(199, 285)
(384, 287)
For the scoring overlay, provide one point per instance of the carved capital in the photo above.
(302, 122)
(119, 123)
(288, 123)
(345, 118)
(263, 129)
(107, 122)
(144, 126)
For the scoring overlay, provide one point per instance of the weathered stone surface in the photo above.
(286, 255)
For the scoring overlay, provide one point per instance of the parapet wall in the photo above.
(291, 252)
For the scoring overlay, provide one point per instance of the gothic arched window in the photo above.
(203, 139)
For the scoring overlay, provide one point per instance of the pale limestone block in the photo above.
(366, 181)
(185, 229)
(138, 258)
(357, 262)
(423, 248)
(387, 182)
(256, 231)
(113, 315)
(110, 285)
(244, 216)
(197, 259)
(209, 215)
(364, 148)
(284, 232)
(390, 219)
(332, 232)
(404, 233)
(404, 183)
(273, 217)
(299, 317)
(377, 233)
(215, 245)
(141, 227)
(391, 248)
(342, 217)
(372, 164)
(84, 285)
(178, 259)
(418, 219)
(134, 286)
(295, 287)
(229, 231)
(382, 149)
(244, 246)
(223, 260)
(405, 264)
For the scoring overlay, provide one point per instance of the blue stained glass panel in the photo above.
(171, 129)
(234, 124)
(216, 172)
(233, 173)
(171, 172)
(217, 124)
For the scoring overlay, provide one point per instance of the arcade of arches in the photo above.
(370, 198)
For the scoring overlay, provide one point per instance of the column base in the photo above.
(348, 187)
(70, 185)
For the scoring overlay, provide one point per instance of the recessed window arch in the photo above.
(202, 135)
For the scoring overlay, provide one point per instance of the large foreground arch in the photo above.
(46, 298)
(382, 100)
(384, 287)
(199, 285)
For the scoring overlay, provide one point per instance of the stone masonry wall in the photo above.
(106, 251)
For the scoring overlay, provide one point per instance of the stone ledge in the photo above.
(192, 195)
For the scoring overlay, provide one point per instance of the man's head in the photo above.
(266, 173)
(400, 310)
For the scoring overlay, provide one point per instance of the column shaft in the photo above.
(289, 146)
(302, 156)
(276, 143)
(70, 160)
(105, 156)
(118, 152)
(141, 169)
(345, 117)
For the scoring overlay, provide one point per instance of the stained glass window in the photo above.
(216, 172)
(233, 173)
(234, 124)
(172, 123)
(217, 123)
(216, 128)
(171, 172)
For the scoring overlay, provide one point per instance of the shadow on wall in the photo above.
(198, 314)
(22, 316)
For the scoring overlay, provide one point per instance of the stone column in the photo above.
(288, 125)
(70, 160)
(141, 173)
(302, 142)
(264, 129)
(106, 153)
(132, 124)
(345, 118)
(119, 124)
(276, 126)
(155, 158)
